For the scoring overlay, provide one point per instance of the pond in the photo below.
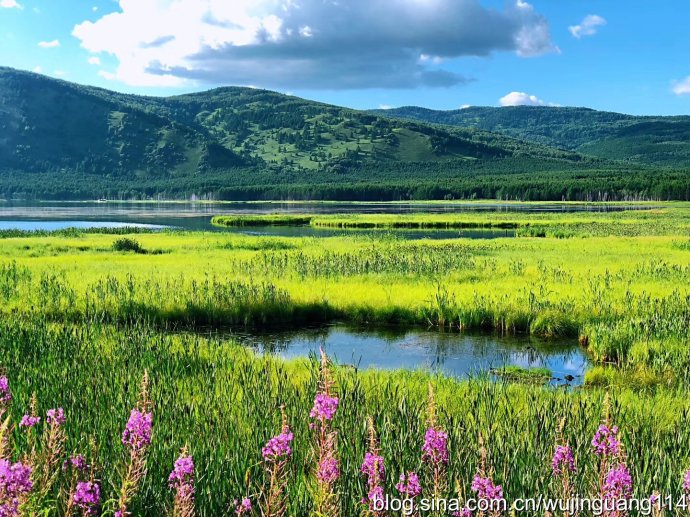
(197, 216)
(455, 354)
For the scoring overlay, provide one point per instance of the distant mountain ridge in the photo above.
(652, 140)
(49, 123)
(60, 140)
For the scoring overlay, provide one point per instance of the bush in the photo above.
(127, 244)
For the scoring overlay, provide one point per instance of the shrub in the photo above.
(127, 244)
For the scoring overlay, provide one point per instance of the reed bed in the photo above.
(214, 429)
(659, 219)
(625, 298)
(216, 417)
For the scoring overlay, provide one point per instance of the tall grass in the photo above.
(625, 298)
(225, 403)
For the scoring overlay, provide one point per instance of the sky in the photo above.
(625, 56)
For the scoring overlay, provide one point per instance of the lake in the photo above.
(197, 216)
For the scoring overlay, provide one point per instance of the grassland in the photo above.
(82, 319)
(617, 283)
(672, 219)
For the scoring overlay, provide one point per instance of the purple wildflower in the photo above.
(278, 446)
(435, 448)
(485, 488)
(29, 421)
(324, 407)
(181, 480)
(137, 433)
(328, 471)
(374, 470)
(56, 416)
(374, 495)
(605, 441)
(686, 481)
(618, 483)
(242, 507)
(409, 485)
(373, 465)
(184, 469)
(77, 461)
(87, 497)
(563, 460)
(182, 477)
(465, 512)
(15, 482)
(5, 395)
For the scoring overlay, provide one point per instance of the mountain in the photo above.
(52, 124)
(638, 139)
(60, 140)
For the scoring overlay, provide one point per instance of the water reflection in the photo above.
(454, 354)
(197, 216)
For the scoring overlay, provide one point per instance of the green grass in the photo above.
(261, 220)
(82, 321)
(537, 375)
(624, 292)
(656, 219)
(206, 394)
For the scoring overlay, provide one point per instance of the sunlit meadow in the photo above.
(114, 404)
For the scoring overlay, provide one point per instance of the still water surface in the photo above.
(454, 354)
(197, 216)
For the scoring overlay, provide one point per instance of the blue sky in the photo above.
(606, 54)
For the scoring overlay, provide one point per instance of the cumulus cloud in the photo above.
(308, 43)
(49, 44)
(522, 99)
(682, 87)
(38, 70)
(588, 26)
(94, 60)
(10, 4)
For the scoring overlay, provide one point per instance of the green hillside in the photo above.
(128, 133)
(60, 140)
(648, 140)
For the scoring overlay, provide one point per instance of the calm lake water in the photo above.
(458, 355)
(197, 216)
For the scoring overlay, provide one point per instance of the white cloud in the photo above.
(94, 60)
(59, 73)
(10, 4)
(94, 8)
(385, 107)
(533, 39)
(49, 44)
(321, 44)
(108, 76)
(523, 99)
(424, 58)
(588, 26)
(465, 106)
(682, 87)
(38, 70)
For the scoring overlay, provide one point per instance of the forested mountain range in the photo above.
(63, 140)
(637, 139)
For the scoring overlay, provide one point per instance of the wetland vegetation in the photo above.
(87, 313)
